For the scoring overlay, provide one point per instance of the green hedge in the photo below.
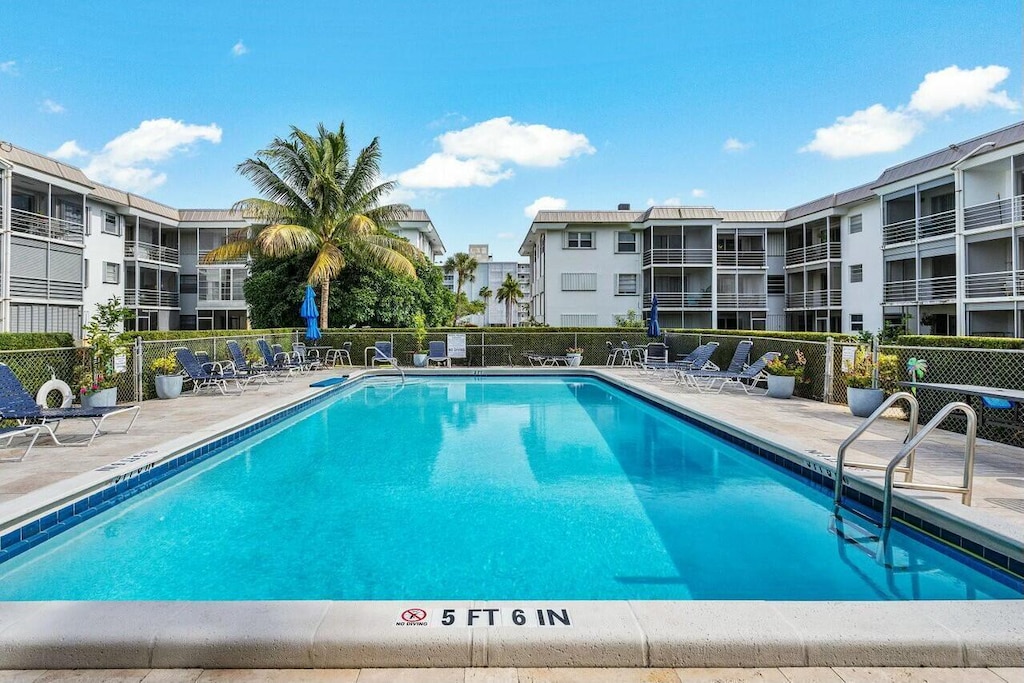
(13, 341)
(960, 342)
(171, 335)
(774, 334)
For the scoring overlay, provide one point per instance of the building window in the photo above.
(578, 320)
(857, 322)
(625, 242)
(85, 272)
(626, 283)
(579, 240)
(856, 223)
(776, 284)
(189, 285)
(857, 273)
(111, 224)
(579, 282)
(111, 273)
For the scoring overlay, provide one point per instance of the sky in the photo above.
(487, 112)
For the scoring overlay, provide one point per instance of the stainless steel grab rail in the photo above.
(907, 471)
(908, 449)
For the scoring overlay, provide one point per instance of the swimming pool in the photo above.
(483, 488)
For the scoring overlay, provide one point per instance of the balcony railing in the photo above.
(151, 252)
(150, 297)
(899, 290)
(681, 299)
(46, 226)
(812, 253)
(936, 288)
(986, 285)
(919, 228)
(742, 259)
(999, 212)
(742, 300)
(240, 261)
(677, 256)
(815, 298)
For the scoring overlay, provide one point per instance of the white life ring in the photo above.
(54, 385)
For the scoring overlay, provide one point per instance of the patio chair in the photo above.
(305, 357)
(747, 380)
(692, 376)
(293, 359)
(241, 366)
(272, 363)
(383, 353)
(206, 375)
(17, 404)
(342, 356)
(437, 352)
(10, 433)
(616, 354)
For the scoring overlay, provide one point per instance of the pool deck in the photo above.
(604, 634)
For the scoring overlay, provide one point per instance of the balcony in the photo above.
(150, 297)
(992, 285)
(813, 253)
(742, 300)
(680, 300)
(239, 261)
(935, 225)
(919, 291)
(151, 252)
(677, 257)
(46, 226)
(815, 298)
(999, 212)
(742, 259)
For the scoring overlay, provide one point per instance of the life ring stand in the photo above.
(52, 385)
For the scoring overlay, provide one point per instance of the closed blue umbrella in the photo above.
(653, 329)
(310, 314)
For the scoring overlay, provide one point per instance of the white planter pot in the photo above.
(863, 402)
(168, 386)
(419, 360)
(574, 359)
(781, 387)
(104, 398)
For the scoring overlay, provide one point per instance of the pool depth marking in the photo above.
(485, 616)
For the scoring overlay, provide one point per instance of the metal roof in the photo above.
(682, 213)
(752, 216)
(110, 194)
(210, 215)
(588, 216)
(413, 215)
(149, 206)
(1003, 137)
(855, 194)
(45, 164)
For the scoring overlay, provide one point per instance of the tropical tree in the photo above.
(485, 293)
(315, 201)
(510, 293)
(464, 267)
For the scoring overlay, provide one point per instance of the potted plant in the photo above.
(419, 324)
(784, 373)
(167, 379)
(105, 349)
(575, 356)
(862, 394)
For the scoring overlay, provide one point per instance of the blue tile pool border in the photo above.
(121, 488)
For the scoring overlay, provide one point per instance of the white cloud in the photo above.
(502, 139)
(735, 145)
(544, 204)
(441, 170)
(953, 87)
(239, 49)
(698, 192)
(68, 150)
(868, 131)
(10, 68)
(50, 107)
(125, 161)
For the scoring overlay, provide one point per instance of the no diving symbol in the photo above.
(415, 614)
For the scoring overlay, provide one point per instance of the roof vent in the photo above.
(623, 207)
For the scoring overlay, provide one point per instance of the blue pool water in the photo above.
(470, 488)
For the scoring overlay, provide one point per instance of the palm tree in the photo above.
(464, 267)
(510, 292)
(314, 201)
(485, 293)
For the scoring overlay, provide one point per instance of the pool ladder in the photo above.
(907, 453)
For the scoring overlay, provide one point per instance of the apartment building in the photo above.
(934, 245)
(68, 243)
(491, 274)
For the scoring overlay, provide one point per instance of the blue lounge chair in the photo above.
(698, 359)
(383, 352)
(437, 352)
(747, 380)
(692, 377)
(240, 364)
(273, 363)
(10, 433)
(17, 404)
(292, 359)
(206, 375)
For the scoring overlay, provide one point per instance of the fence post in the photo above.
(138, 370)
(829, 368)
(874, 362)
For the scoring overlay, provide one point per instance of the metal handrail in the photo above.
(907, 471)
(908, 449)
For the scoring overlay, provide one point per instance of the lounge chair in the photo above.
(10, 433)
(240, 364)
(698, 359)
(293, 359)
(747, 380)
(17, 404)
(342, 356)
(305, 357)
(437, 352)
(207, 375)
(617, 355)
(383, 352)
(277, 365)
(692, 377)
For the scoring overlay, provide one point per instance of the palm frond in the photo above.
(389, 258)
(328, 263)
(230, 251)
(285, 239)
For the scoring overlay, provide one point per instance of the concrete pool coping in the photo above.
(301, 634)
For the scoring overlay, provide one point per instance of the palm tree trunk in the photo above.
(325, 292)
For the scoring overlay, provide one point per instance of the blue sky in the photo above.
(485, 108)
